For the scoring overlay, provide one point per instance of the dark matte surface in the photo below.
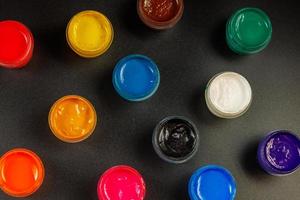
(188, 56)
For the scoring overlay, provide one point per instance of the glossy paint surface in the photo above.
(72, 118)
(89, 33)
(249, 30)
(16, 44)
(212, 183)
(22, 172)
(161, 10)
(279, 153)
(175, 139)
(228, 95)
(160, 14)
(121, 183)
(136, 77)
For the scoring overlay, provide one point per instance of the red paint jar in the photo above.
(16, 44)
(160, 14)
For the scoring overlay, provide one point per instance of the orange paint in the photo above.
(22, 172)
(72, 118)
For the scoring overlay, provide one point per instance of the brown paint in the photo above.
(160, 10)
(160, 14)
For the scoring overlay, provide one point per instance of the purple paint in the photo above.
(279, 153)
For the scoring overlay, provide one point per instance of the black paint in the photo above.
(177, 138)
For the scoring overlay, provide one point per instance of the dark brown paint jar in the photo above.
(160, 14)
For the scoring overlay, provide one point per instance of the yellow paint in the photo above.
(89, 33)
(72, 118)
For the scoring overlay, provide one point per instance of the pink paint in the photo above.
(121, 183)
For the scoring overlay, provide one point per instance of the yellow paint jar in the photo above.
(72, 118)
(89, 33)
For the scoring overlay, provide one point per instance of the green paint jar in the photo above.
(248, 31)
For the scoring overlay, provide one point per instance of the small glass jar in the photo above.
(72, 118)
(279, 153)
(160, 14)
(248, 31)
(121, 182)
(228, 95)
(212, 182)
(22, 172)
(16, 44)
(89, 33)
(136, 77)
(175, 139)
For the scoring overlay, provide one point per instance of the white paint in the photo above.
(229, 93)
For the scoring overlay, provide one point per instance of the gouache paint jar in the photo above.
(72, 118)
(279, 153)
(212, 182)
(136, 77)
(121, 183)
(228, 95)
(16, 44)
(89, 33)
(22, 172)
(175, 139)
(248, 31)
(160, 14)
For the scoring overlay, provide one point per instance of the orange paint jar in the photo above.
(72, 118)
(21, 172)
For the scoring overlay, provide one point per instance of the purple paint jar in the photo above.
(279, 153)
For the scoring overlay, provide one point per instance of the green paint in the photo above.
(248, 31)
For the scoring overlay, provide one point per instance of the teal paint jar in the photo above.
(248, 31)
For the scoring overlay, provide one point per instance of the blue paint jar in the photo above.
(212, 182)
(136, 77)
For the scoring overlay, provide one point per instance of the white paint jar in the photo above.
(228, 95)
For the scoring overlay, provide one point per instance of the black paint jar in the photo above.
(175, 139)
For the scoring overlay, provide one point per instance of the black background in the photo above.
(188, 56)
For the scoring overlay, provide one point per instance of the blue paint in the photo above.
(136, 77)
(212, 182)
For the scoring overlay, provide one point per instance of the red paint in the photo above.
(161, 10)
(121, 183)
(16, 44)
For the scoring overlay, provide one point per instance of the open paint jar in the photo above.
(279, 153)
(136, 77)
(175, 139)
(22, 172)
(16, 44)
(72, 118)
(212, 182)
(248, 31)
(228, 95)
(160, 14)
(121, 183)
(89, 33)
